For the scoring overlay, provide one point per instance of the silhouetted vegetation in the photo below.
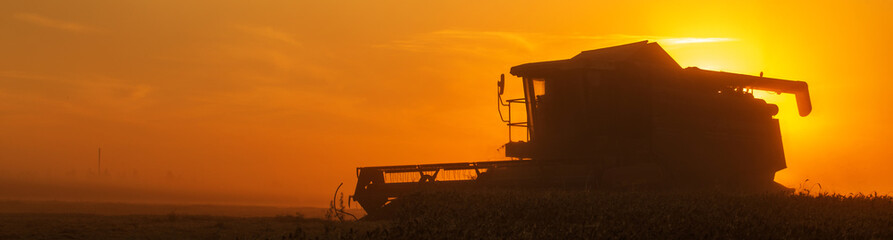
(337, 210)
(630, 215)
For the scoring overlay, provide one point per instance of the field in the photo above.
(544, 214)
(574, 215)
(94, 220)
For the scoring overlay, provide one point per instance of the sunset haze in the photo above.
(278, 102)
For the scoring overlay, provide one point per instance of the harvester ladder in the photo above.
(508, 121)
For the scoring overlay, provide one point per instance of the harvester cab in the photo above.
(626, 116)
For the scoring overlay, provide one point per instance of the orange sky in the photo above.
(277, 102)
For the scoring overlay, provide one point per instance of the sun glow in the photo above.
(787, 104)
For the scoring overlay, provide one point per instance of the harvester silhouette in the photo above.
(622, 117)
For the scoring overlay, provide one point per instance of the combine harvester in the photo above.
(622, 117)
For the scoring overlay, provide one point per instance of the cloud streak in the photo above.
(663, 40)
(53, 23)
(677, 41)
(462, 40)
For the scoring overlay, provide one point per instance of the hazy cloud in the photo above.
(53, 23)
(515, 38)
(476, 42)
(4, 74)
(270, 33)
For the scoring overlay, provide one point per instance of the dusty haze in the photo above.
(277, 102)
